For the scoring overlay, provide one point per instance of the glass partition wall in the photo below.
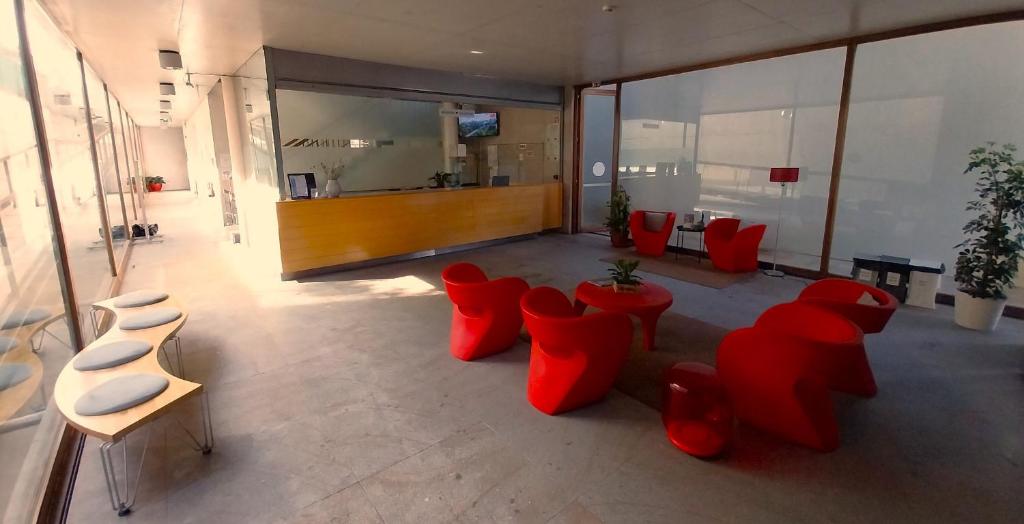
(703, 142)
(394, 144)
(53, 245)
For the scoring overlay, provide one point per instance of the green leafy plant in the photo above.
(440, 178)
(618, 212)
(622, 272)
(990, 255)
(155, 180)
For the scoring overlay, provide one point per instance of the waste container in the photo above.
(889, 273)
(925, 276)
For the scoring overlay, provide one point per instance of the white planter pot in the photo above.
(981, 314)
(333, 188)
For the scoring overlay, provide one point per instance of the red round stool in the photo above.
(696, 410)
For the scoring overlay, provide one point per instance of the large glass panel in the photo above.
(60, 85)
(122, 162)
(598, 127)
(104, 135)
(919, 105)
(34, 332)
(704, 142)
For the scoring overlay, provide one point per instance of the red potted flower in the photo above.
(155, 183)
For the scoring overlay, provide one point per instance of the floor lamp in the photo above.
(782, 175)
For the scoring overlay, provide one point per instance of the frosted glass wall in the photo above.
(919, 105)
(705, 141)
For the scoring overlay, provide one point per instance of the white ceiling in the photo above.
(547, 41)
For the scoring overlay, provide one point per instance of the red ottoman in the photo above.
(833, 345)
(696, 410)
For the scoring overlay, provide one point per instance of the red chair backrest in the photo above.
(549, 317)
(461, 282)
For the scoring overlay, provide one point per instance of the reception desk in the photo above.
(325, 234)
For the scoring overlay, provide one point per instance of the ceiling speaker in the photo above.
(165, 104)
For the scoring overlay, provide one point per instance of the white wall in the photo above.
(164, 154)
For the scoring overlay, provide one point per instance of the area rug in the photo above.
(679, 339)
(685, 269)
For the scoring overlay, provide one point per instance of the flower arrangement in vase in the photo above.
(333, 174)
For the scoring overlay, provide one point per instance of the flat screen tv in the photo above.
(478, 124)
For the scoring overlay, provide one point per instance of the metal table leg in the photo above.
(207, 421)
(121, 504)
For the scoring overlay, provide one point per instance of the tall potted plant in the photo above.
(991, 254)
(155, 183)
(618, 218)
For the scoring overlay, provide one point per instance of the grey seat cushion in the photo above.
(24, 318)
(13, 374)
(112, 354)
(152, 318)
(119, 394)
(7, 344)
(140, 298)
(654, 221)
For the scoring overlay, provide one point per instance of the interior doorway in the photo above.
(597, 155)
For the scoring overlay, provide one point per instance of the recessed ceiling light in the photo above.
(170, 59)
(475, 52)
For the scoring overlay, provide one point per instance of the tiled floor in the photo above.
(335, 400)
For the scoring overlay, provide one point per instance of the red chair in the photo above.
(773, 387)
(651, 231)
(731, 249)
(847, 298)
(695, 409)
(486, 317)
(574, 359)
(831, 344)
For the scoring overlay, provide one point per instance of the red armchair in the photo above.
(651, 231)
(773, 387)
(730, 248)
(486, 318)
(574, 359)
(832, 345)
(695, 409)
(846, 297)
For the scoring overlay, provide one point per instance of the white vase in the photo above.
(980, 314)
(333, 188)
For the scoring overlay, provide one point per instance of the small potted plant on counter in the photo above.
(991, 254)
(618, 218)
(333, 175)
(155, 183)
(623, 279)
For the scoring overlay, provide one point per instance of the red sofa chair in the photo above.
(775, 388)
(651, 231)
(574, 359)
(831, 344)
(486, 318)
(695, 410)
(731, 249)
(847, 298)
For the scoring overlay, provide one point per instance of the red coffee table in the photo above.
(648, 303)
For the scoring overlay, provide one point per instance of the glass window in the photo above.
(39, 344)
(704, 142)
(104, 136)
(918, 106)
(60, 87)
(122, 162)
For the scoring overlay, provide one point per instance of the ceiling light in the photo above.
(165, 104)
(608, 8)
(166, 88)
(62, 99)
(475, 52)
(170, 59)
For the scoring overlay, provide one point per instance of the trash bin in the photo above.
(891, 274)
(925, 276)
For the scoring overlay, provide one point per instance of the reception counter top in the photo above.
(327, 234)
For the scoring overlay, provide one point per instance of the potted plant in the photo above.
(623, 279)
(440, 179)
(333, 175)
(990, 255)
(155, 183)
(618, 218)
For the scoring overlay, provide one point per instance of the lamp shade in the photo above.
(784, 174)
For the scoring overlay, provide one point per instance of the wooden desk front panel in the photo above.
(330, 232)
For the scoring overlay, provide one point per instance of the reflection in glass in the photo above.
(705, 141)
(34, 335)
(103, 134)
